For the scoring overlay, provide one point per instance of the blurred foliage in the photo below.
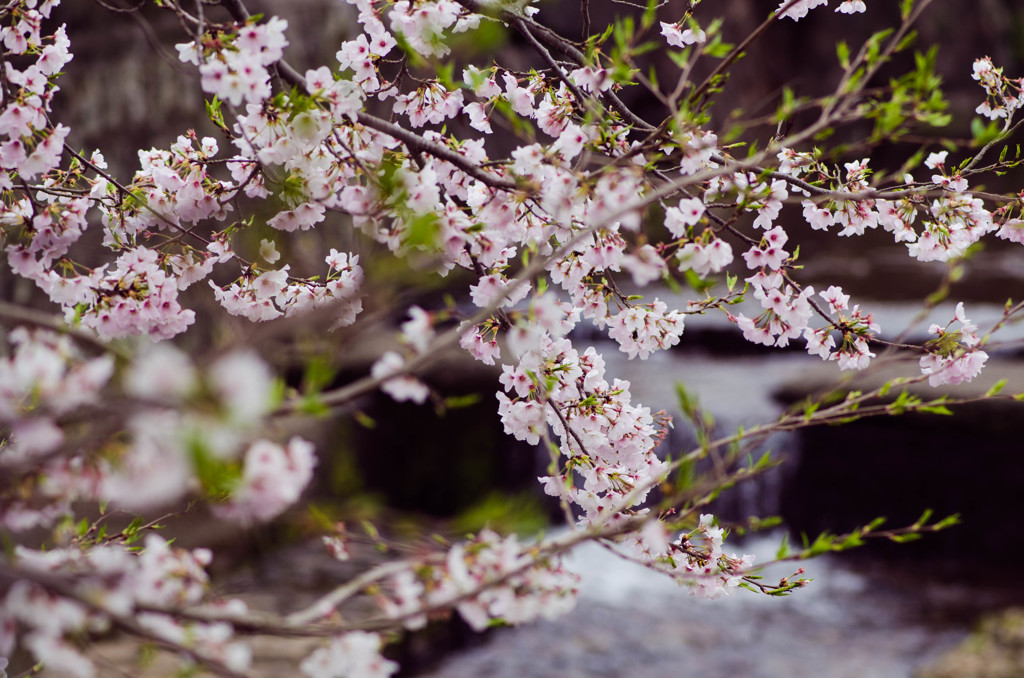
(505, 513)
(994, 650)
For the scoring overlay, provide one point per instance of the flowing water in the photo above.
(857, 619)
(632, 622)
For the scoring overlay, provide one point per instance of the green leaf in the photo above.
(843, 52)
(365, 420)
(935, 409)
(983, 133)
(459, 402)
(688, 403)
(760, 524)
(904, 538)
(783, 549)
(996, 388)
(423, 231)
(488, 37)
(371, 530)
(650, 14)
(902, 402)
(217, 477)
(680, 58)
(822, 545)
(520, 513)
(696, 282)
(132, 533)
(652, 75)
(318, 374)
(923, 520)
(719, 49)
(874, 45)
(853, 540)
(214, 113)
(763, 462)
(446, 75)
(909, 39)
(685, 474)
(874, 524)
(313, 405)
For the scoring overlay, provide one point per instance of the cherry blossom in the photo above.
(676, 37)
(562, 215)
(398, 387)
(955, 356)
(353, 655)
(798, 10)
(273, 478)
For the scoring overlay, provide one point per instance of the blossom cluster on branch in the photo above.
(559, 202)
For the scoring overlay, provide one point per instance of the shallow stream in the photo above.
(858, 619)
(632, 622)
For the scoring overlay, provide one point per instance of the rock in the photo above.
(994, 650)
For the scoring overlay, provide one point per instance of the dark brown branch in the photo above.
(417, 143)
(413, 141)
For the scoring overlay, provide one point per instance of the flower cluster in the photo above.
(44, 378)
(488, 578)
(113, 582)
(955, 357)
(234, 67)
(696, 559)
(798, 9)
(549, 224)
(607, 441)
(424, 24)
(1004, 95)
(352, 655)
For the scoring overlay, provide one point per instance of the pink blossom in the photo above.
(952, 369)
(352, 655)
(644, 264)
(273, 479)
(486, 351)
(418, 331)
(837, 301)
(853, 355)
(688, 213)
(676, 37)
(1012, 230)
(403, 387)
(852, 7)
(799, 9)
(591, 79)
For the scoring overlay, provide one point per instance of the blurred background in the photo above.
(942, 606)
